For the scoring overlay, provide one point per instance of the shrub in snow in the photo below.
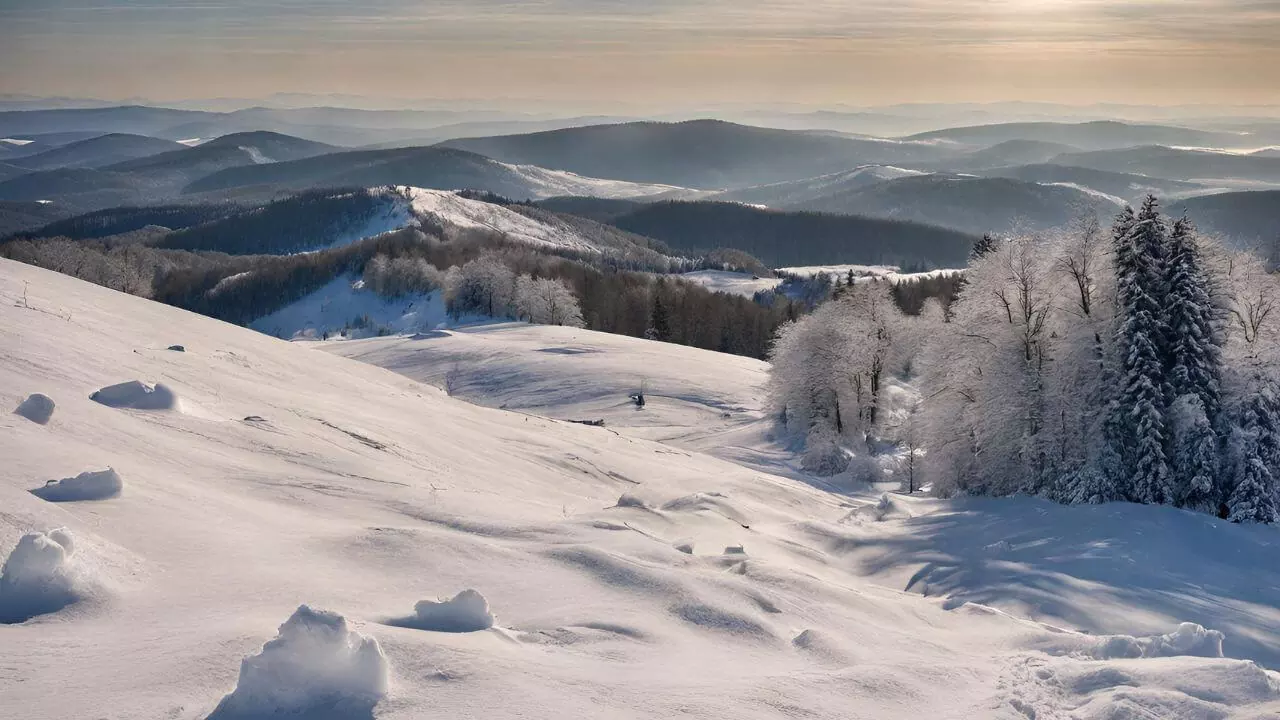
(316, 667)
(36, 578)
(37, 408)
(85, 486)
(824, 457)
(137, 395)
(468, 611)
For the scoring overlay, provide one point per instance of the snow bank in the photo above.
(137, 395)
(468, 611)
(1189, 639)
(315, 667)
(37, 578)
(37, 408)
(88, 485)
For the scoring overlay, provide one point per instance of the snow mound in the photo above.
(627, 500)
(316, 667)
(89, 485)
(886, 508)
(137, 395)
(468, 611)
(37, 578)
(37, 408)
(1188, 640)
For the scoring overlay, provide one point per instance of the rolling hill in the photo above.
(1127, 186)
(797, 238)
(704, 154)
(1248, 219)
(429, 167)
(1179, 163)
(969, 204)
(98, 152)
(1098, 135)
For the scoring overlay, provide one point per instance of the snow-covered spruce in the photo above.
(316, 667)
(37, 578)
(89, 485)
(468, 611)
(37, 408)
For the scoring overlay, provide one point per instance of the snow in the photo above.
(891, 273)
(15, 142)
(137, 395)
(547, 183)
(459, 212)
(468, 611)
(192, 142)
(36, 578)
(88, 485)
(344, 302)
(256, 155)
(1090, 191)
(316, 666)
(731, 282)
(363, 490)
(37, 408)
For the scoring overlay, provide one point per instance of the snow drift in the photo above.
(37, 408)
(37, 578)
(1189, 639)
(468, 611)
(316, 667)
(137, 395)
(88, 485)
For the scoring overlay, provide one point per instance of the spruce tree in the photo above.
(1195, 352)
(659, 325)
(1256, 497)
(1141, 339)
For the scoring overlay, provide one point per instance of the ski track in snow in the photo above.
(669, 564)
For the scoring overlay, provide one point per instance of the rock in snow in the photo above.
(36, 578)
(468, 611)
(37, 408)
(90, 485)
(137, 395)
(316, 667)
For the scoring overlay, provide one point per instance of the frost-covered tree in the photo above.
(485, 285)
(1195, 454)
(1256, 446)
(1193, 320)
(547, 302)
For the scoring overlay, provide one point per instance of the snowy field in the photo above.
(734, 283)
(270, 493)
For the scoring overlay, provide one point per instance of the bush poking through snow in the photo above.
(316, 667)
(90, 485)
(36, 578)
(37, 408)
(468, 611)
(137, 395)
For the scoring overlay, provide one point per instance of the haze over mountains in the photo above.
(973, 179)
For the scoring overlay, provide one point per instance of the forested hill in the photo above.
(797, 238)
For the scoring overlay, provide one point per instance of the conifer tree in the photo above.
(1256, 497)
(1195, 352)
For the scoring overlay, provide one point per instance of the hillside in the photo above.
(797, 238)
(969, 204)
(428, 167)
(1248, 219)
(797, 192)
(1178, 163)
(704, 154)
(98, 152)
(1127, 186)
(1011, 152)
(619, 575)
(1097, 135)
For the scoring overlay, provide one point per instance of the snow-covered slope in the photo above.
(345, 302)
(625, 577)
(731, 282)
(545, 183)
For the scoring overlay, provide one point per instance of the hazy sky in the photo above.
(597, 54)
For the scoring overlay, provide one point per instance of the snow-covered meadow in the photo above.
(292, 535)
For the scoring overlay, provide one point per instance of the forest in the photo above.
(1139, 363)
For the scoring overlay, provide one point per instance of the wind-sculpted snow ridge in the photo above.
(316, 667)
(89, 485)
(37, 578)
(37, 408)
(468, 611)
(137, 395)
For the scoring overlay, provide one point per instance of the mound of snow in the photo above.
(90, 485)
(315, 667)
(468, 611)
(1189, 639)
(36, 578)
(37, 408)
(137, 395)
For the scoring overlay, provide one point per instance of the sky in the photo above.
(658, 54)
